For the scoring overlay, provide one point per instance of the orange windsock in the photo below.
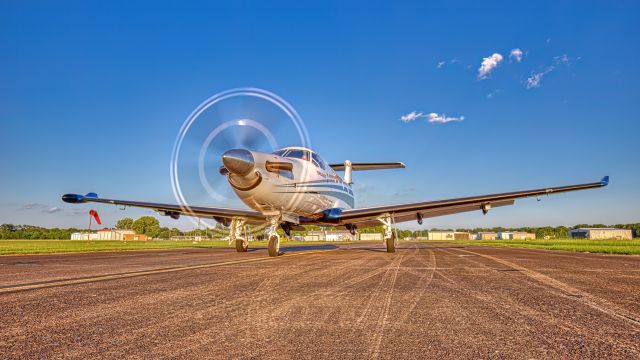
(95, 216)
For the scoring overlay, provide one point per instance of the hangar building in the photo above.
(109, 234)
(486, 235)
(448, 235)
(515, 235)
(600, 233)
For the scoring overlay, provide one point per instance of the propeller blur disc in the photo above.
(246, 118)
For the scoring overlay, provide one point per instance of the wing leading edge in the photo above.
(219, 214)
(364, 217)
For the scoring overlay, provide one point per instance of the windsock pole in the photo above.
(89, 230)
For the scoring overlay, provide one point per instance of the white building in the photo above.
(370, 236)
(448, 235)
(600, 233)
(517, 235)
(330, 235)
(105, 234)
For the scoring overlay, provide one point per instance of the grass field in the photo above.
(628, 247)
(8, 247)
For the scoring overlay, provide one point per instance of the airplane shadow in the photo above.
(307, 247)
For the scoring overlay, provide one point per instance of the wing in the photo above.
(364, 217)
(219, 214)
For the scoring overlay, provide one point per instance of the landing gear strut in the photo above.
(389, 236)
(235, 234)
(272, 236)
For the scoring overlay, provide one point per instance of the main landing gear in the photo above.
(389, 236)
(242, 245)
(235, 234)
(273, 237)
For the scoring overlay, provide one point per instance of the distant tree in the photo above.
(147, 225)
(125, 224)
(7, 227)
(165, 233)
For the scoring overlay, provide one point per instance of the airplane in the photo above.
(294, 186)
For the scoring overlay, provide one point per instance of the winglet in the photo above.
(605, 181)
(77, 198)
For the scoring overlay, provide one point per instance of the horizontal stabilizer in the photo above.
(369, 166)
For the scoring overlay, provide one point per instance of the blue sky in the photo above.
(92, 96)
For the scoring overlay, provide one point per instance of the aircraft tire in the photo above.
(274, 245)
(242, 245)
(391, 244)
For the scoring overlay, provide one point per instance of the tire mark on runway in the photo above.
(267, 309)
(375, 293)
(91, 279)
(422, 287)
(384, 314)
(568, 291)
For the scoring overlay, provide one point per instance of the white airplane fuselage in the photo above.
(293, 180)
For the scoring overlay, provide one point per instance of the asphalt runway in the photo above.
(425, 301)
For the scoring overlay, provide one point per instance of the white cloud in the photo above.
(431, 117)
(516, 54)
(488, 64)
(562, 59)
(493, 94)
(444, 63)
(535, 80)
(442, 119)
(54, 209)
(414, 115)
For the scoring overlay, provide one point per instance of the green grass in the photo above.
(8, 247)
(628, 247)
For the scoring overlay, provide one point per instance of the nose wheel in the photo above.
(272, 235)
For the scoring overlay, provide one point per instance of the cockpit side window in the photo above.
(321, 164)
(280, 152)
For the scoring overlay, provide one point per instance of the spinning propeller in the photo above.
(224, 127)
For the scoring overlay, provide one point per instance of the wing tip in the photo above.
(77, 198)
(605, 181)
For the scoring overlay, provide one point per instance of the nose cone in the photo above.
(238, 161)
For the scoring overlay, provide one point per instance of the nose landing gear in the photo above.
(274, 239)
(235, 234)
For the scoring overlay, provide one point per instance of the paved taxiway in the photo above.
(426, 300)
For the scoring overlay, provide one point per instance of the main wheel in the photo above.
(391, 244)
(274, 245)
(242, 245)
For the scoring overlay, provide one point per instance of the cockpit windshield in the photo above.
(299, 154)
(303, 155)
(294, 154)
